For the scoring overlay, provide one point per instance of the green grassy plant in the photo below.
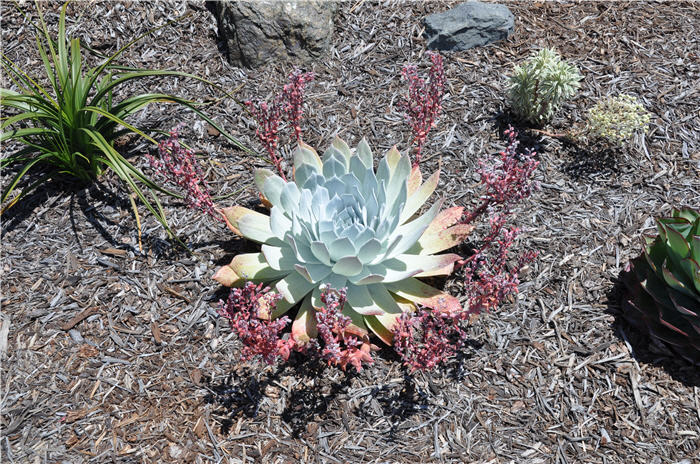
(70, 126)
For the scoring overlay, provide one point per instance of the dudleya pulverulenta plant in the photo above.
(340, 224)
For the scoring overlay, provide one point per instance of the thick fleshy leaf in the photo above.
(254, 266)
(445, 219)
(304, 325)
(423, 294)
(320, 251)
(435, 242)
(357, 326)
(348, 266)
(369, 250)
(415, 179)
(364, 153)
(279, 223)
(305, 154)
(340, 248)
(227, 277)
(428, 262)
(382, 326)
(419, 198)
(260, 176)
(340, 145)
(256, 227)
(441, 271)
(313, 272)
(294, 287)
(361, 300)
(280, 258)
(232, 214)
(412, 231)
(272, 189)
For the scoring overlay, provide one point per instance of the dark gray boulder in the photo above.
(259, 31)
(468, 25)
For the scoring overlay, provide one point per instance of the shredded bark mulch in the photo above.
(113, 352)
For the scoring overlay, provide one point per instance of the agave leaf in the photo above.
(680, 224)
(423, 294)
(679, 246)
(695, 247)
(304, 325)
(674, 282)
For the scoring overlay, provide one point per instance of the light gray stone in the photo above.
(259, 31)
(468, 25)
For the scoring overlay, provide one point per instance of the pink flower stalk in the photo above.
(179, 166)
(260, 337)
(488, 281)
(424, 101)
(507, 182)
(268, 119)
(293, 99)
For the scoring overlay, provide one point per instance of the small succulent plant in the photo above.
(663, 284)
(340, 224)
(540, 86)
(616, 119)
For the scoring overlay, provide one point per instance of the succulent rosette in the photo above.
(662, 286)
(343, 225)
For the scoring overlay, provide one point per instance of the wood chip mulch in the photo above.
(111, 354)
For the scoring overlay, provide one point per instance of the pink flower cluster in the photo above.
(290, 102)
(179, 167)
(424, 101)
(340, 347)
(248, 309)
(426, 339)
(260, 337)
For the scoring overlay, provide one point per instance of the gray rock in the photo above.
(260, 31)
(468, 25)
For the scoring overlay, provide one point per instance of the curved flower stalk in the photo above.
(343, 225)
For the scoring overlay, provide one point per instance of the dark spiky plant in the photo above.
(662, 286)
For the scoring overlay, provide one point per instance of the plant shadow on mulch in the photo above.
(583, 160)
(645, 349)
(316, 394)
(241, 394)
